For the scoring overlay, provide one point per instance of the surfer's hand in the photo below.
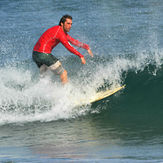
(90, 52)
(83, 60)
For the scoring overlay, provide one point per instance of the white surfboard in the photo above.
(97, 96)
(101, 95)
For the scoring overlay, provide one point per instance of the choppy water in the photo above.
(39, 122)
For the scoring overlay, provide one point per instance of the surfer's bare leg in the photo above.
(43, 69)
(63, 77)
(59, 70)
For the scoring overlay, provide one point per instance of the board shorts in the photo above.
(48, 60)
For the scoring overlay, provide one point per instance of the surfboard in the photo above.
(80, 101)
(103, 94)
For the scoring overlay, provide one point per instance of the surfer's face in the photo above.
(67, 25)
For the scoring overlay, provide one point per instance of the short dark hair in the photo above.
(63, 19)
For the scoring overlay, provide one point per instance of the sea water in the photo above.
(39, 118)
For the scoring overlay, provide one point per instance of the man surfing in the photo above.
(49, 39)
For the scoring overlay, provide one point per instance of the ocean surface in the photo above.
(41, 120)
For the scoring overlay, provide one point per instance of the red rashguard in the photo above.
(55, 35)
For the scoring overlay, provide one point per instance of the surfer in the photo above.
(49, 39)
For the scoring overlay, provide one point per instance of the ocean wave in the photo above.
(25, 97)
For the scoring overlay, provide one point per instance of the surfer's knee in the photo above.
(57, 68)
(43, 69)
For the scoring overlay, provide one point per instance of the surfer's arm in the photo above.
(66, 44)
(79, 44)
(90, 52)
(70, 48)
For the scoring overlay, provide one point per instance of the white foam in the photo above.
(24, 99)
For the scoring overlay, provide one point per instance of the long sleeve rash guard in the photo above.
(55, 35)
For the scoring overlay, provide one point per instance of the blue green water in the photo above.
(40, 120)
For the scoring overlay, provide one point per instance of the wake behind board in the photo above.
(101, 95)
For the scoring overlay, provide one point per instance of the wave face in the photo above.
(26, 97)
